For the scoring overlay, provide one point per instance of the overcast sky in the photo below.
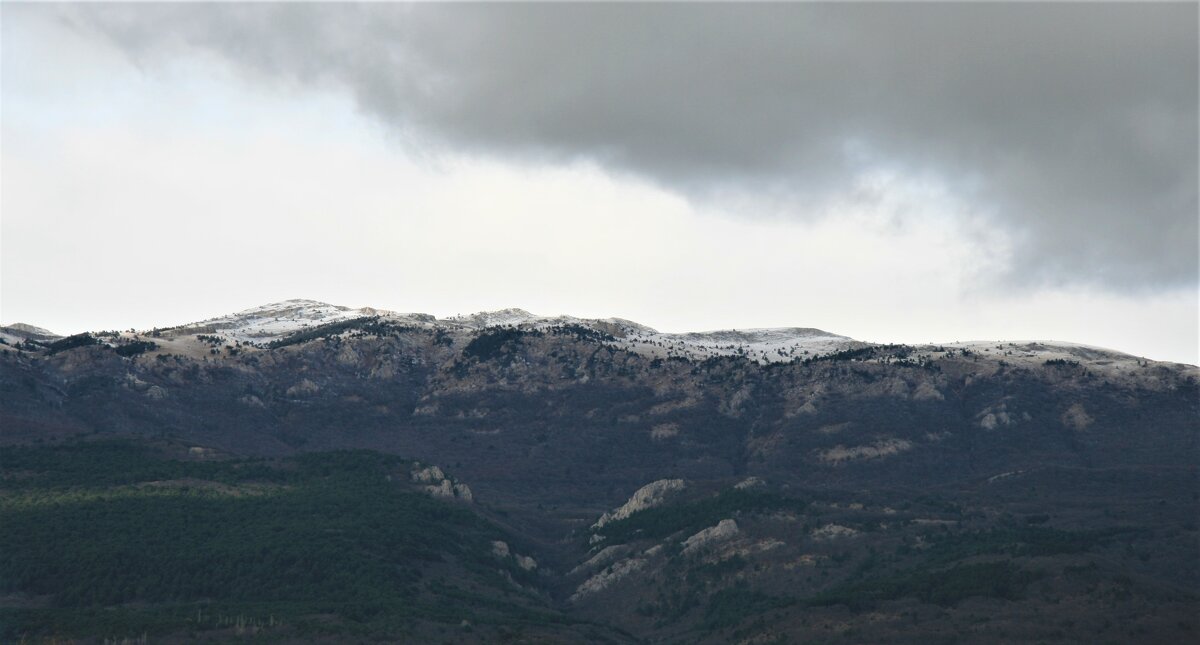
(911, 173)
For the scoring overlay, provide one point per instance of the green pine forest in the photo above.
(124, 539)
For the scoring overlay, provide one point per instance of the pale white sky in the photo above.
(136, 196)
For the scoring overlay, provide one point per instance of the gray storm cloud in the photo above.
(1073, 126)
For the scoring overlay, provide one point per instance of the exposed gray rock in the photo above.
(647, 496)
(724, 530)
(606, 578)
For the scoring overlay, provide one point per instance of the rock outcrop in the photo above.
(723, 530)
(647, 496)
(500, 550)
(606, 578)
(439, 485)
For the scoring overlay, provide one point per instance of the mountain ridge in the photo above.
(903, 490)
(274, 321)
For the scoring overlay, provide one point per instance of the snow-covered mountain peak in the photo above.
(500, 317)
(31, 330)
(294, 307)
(270, 321)
(19, 332)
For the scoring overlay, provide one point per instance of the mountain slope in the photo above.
(819, 492)
(291, 549)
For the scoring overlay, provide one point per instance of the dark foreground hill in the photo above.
(386, 477)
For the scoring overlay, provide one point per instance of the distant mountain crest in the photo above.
(266, 323)
(501, 317)
(273, 321)
(23, 331)
(299, 306)
(30, 329)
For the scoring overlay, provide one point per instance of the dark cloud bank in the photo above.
(1075, 126)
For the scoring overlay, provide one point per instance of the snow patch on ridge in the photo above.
(277, 320)
(771, 345)
(263, 324)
